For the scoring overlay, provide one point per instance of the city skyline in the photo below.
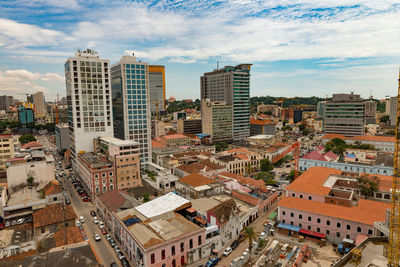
(297, 48)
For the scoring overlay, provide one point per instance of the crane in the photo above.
(394, 225)
(296, 147)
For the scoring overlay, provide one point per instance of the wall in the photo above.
(305, 196)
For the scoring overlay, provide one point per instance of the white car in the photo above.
(227, 251)
(20, 221)
(101, 224)
(97, 237)
(81, 219)
(95, 220)
(262, 235)
(77, 223)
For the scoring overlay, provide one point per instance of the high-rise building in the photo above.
(231, 84)
(6, 151)
(26, 114)
(189, 126)
(370, 112)
(61, 133)
(344, 114)
(393, 111)
(216, 120)
(321, 109)
(87, 79)
(38, 102)
(131, 103)
(6, 102)
(157, 88)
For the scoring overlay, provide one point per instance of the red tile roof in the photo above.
(52, 214)
(366, 212)
(73, 236)
(246, 198)
(253, 183)
(261, 122)
(5, 135)
(31, 144)
(156, 144)
(195, 180)
(114, 199)
(205, 165)
(174, 136)
(242, 156)
(52, 188)
(371, 138)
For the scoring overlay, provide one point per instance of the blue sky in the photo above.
(298, 47)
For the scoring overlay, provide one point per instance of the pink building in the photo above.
(326, 201)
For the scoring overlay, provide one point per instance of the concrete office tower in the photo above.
(392, 110)
(61, 133)
(344, 114)
(370, 112)
(217, 120)
(157, 88)
(231, 84)
(6, 102)
(38, 102)
(321, 109)
(87, 79)
(131, 103)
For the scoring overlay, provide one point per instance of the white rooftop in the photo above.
(161, 205)
(118, 142)
(261, 136)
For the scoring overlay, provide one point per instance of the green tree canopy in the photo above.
(26, 138)
(368, 185)
(384, 118)
(266, 165)
(337, 146)
(221, 146)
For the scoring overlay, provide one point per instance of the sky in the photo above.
(297, 47)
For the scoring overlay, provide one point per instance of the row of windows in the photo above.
(173, 252)
(103, 175)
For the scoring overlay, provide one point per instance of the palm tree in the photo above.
(250, 235)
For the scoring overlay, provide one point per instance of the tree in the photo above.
(250, 235)
(221, 146)
(337, 146)
(266, 165)
(26, 138)
(290, 177)
(249, 169)
(146, 197)
(368, 185)
(384, 119)
(30, 180)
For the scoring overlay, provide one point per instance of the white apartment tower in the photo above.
(131, 103)
(87, 79)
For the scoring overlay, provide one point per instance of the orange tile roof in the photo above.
(385, 181)
(367, 211)
(246, 181)
(31, 144)
(311, 181)
(73, 236)
(261, 122)
(52, 214)
(245, 197)
(242, 156)
(156, 144)
(5, 135)
(51, 188)
(205, 165)
(241, 150)
(195, 180)
(174, 136)
(371, 138)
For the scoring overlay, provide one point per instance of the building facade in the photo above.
(189, 126)
(5, 102)
(6, 151)
(231, 85)
(258, 127)
(62, 136)
(392, 110)
(157, 88)
(126, 160)
(344, 114)
(370, 111)
(26, 115)
(217, 120)
(38, 102)
(131, 103)
(87, 81)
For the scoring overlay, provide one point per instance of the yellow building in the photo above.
(6, 151)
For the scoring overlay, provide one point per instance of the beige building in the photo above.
(6, 151)
(52, 218)
(125, 157)
(216, 120)
(38, 102)
(157, 128)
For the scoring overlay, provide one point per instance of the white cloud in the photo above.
(20, 82)
(16, 35)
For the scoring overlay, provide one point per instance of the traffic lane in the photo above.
(103, 249)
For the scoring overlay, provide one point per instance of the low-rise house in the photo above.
(160, 178)
(198, 186)
(53, 193)
(160, 152)
(383, 143)
(51, 219)
(173, 140)
(203, 167)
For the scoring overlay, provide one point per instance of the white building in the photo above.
(87, 79)
(131, 103)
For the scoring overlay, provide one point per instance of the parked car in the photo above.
(103, 231)
(227, 251)
(86, 199)
(101, 224)
(262, 235)
(19, 221)
(95, 220)
(113, 243)
(93, 213)
(120, 255)
(77, 223)
(113, 264)
(81, 219)
(116, 249)
(212, 262)
(97, 237)
(235, 244)
(125, 262)
(108, 237)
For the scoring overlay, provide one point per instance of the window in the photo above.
(370, 232)
(291, 214)
(337, 234)
(301, 196)
(359, 229)
(309, 227)
(110, 173)
(309, 197)
(42, 230)
(348, 227)
(283, 213)
(318, 230)
(293, 194)
(309, 218)
(199, 239)
(328, 222)
(54, 198)
(328, 232)
(338, 225)
(96, 176)
(103, 174)
(291, 222)
(284, 221)
(191, 243)
(300, 224)
(300, 216)
(152, 258)
(318, 220)
(163, 254)
(173, 250)
(348, 236)
(182, 246)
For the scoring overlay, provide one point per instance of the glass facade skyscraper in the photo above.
(131, 105)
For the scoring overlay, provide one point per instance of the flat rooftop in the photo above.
(119, 142)
(26, 194)
(95, 161)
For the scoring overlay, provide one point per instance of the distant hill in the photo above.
(269, 100)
